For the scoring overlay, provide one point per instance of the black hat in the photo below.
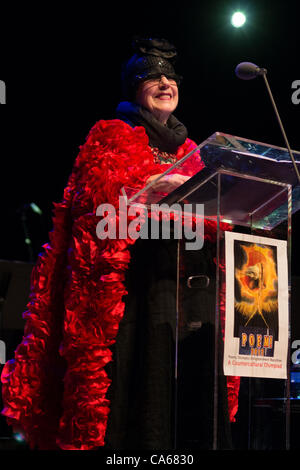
(152, 58)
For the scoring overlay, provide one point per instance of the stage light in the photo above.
(238, 19)
(19, 437)
(35, 208)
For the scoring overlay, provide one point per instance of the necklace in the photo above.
(163, 157)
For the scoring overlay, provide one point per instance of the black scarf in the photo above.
(167, 138)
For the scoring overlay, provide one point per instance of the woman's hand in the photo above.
(167, 183)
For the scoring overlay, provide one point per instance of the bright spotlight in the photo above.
(19, 437)
(238, 19)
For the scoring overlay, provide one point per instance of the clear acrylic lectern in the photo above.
(248, 189)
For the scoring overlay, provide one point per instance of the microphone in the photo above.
(248, 71)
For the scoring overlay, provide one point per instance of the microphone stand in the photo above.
(26, 233)
(247, 71)
(263, 72)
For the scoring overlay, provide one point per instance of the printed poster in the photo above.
(257, 306)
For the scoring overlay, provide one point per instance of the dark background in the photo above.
(62, 72)
(61, 63)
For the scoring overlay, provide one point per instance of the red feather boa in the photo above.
(54, 390)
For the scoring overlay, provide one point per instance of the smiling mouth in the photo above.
(164, 96)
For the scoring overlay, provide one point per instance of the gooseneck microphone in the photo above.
(248, 71)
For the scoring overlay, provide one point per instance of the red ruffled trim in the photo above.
(233, 382)
(54, 390)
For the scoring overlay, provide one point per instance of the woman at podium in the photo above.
(96, 364)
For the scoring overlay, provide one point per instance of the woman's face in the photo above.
(159, 96)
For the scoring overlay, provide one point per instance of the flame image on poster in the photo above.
(256, 297)
(257, 281)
